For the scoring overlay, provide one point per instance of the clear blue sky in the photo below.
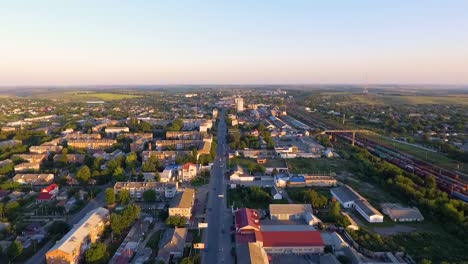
(233, 42)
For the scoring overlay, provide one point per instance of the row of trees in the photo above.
(111, 198)
(452, 214)
(120, 222)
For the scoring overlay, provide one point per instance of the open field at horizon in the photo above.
(374, 99)
(85, 96)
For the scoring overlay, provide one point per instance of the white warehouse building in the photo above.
(349, 198)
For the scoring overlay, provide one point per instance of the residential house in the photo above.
(276, 193)
(169, 173)
(48, 193)
(188, 171)
(172, 244)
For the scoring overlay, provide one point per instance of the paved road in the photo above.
(217, 235)
(99, 201)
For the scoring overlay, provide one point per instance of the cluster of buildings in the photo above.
(289, 231)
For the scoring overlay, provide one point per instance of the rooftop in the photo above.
(346, 194)
(247, 217)
(367, 208)
(74, 238)
(184, 199)
(289, 208)
(290, 238)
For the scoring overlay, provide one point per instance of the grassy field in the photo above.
(317, 166)
(375, 99)
(84, 96)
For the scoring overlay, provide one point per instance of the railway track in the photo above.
(447, 180)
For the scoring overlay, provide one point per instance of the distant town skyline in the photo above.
(233, 42)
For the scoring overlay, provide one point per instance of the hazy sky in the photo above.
(233, 42)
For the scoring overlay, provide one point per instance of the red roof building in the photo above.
(48, 193)
(298, 242)
(189, 171)
(247, 221)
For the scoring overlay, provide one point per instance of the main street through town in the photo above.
(217, 236)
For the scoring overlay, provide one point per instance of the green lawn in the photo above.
(317, 166)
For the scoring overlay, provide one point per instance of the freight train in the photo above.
(447, 180)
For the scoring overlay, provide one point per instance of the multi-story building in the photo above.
(75, 136)
(163, 190)
(139, 141)
(28, 167)
(71, 158)
(188, 171)
(34, 179)
(116, 130)
(92, 144)
(45, 149)
(239, 101)
(194, 135)
(182, 203)
(71, 247)
(165, 157)
(32, 158)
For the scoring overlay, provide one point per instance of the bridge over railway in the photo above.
(353, 131)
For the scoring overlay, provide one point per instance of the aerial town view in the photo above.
(147, 132)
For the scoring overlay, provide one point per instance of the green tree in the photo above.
(110, 196)
(15, 249)
(64, 157)
(315, 199)
(97, 252)
(119, 174)
(335, 210)
(131, 160)
(116, 224)
(124, 196)
(59, 228)
(149, 196)
(83, 174)
(176, 221)
(176, 125)
(187, 260)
